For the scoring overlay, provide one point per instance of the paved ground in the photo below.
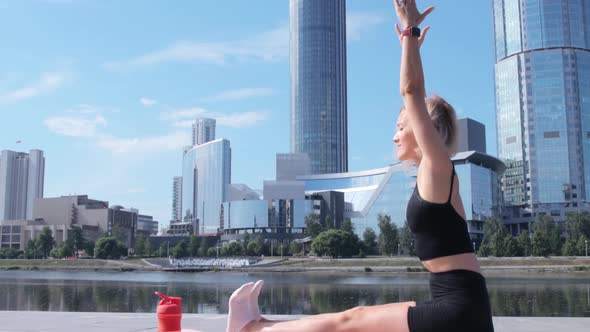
(20, 321)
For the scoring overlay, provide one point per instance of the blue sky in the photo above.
(108, 88)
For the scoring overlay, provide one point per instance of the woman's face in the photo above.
(404, 140)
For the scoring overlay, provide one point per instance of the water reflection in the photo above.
(282, 294)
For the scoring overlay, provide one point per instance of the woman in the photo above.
(426, 136)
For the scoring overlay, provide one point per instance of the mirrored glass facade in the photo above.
(318, 83)
(542, 109)
(206, 174)
(276, 213)
(387, 191)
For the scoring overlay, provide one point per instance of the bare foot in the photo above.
(253, 299)
(239, 308)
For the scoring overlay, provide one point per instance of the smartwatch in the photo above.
(411, 31)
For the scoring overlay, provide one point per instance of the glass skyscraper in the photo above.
(318, 83)
(542, 75)
(206, 175)
(22, 176)
(203, 131)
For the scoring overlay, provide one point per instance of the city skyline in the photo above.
(112, 108)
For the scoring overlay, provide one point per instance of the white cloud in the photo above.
(147, 102)
(238, 120)
(184, 118)
(183, 114)
(83, 109)
(133, 146)
(240, 94)
(46, 83)
(359, 23)
(271, 45)
(75, 126)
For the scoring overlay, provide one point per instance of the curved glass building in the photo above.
(318, 83)
(542, 76)
(206, 175)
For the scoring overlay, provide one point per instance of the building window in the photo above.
(551, 134)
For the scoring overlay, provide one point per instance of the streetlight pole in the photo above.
(586, 242)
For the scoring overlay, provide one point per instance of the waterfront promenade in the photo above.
(41, 321)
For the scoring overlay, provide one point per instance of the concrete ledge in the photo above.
(20, 321)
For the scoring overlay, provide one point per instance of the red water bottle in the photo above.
(169, 313)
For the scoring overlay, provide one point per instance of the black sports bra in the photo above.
(439, 230)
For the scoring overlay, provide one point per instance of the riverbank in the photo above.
(490, 266)
(127, 322)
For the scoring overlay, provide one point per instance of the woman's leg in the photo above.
(386, 318)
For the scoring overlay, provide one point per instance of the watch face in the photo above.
(415, 31)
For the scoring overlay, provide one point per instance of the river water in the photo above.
(283, 293)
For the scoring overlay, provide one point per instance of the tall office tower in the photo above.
(203, 131)
(472, 135)
(21, 181)
(206, 176)
(177, 198)
(542, 77)
(319, 125)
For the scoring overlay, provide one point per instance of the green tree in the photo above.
(295, 248)
(577, 229)
(140, 245)
(253, 249)
(245, 243)
(203, 248)
(212, 252)
(180, 250)
(109, 248)
(193, 246)
(148, 247)
(334, 243)
(546, 237)
(570, 248)
(581, 245)
(347, 226)
(32, 249)
(370, 241)
(232, 249)
(89, 248)
(75, 241)
(577, 224)
(494, 239)
(60, 251)
(10, 253)
(524, 244)
(388, 237)
(511, 248)
(313, 227)
(120, 233)
(45, 242)
(163, 249)
(406, 240)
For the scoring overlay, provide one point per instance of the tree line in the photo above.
(548, 238)
(76, 245)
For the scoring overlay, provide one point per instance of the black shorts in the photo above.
(459, 302)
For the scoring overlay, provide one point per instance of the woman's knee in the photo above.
(350, 318)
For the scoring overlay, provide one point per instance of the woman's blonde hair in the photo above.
(444, 119)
